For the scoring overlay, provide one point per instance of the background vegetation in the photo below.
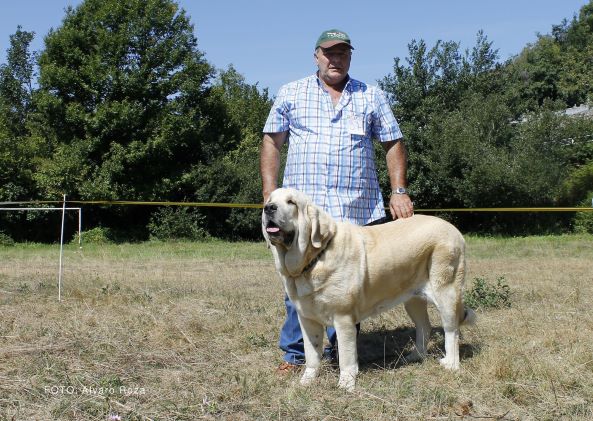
(121, 104)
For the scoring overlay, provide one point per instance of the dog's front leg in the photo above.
(347, 353)
(313, 342)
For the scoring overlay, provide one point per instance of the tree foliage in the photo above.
(17, 150)
(122, 102)
(16, 82)
(558, 66)
(123, 106)
(234, 177)
(485, 134)
(16, 77)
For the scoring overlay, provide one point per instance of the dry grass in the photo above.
(188, 331)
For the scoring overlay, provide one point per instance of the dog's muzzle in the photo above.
(271, 227)
(273, 230)
(269, 212)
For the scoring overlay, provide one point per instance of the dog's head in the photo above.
(292, 223)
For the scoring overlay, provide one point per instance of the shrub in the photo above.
(177, 224)
(97, 235)
(6, 240)
(577, 185)
(583, 221)
(486, 295)
(576, 191)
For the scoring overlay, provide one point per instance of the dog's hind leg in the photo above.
(417, 310)
(313, 343)
(450, 307)
(446, 278)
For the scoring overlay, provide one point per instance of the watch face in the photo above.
(400, 190)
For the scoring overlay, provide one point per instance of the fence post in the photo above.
(61, 250)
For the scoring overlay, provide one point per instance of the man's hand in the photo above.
(401, 206)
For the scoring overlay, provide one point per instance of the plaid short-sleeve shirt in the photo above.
(330, 154)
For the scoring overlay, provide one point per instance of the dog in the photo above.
(337, 274)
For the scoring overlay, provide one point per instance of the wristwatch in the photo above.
(399, 190)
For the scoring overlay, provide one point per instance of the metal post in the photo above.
(61, 250)
(80, 228)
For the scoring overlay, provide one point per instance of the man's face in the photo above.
(333, 63)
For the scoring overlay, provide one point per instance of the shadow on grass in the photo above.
(387, 348)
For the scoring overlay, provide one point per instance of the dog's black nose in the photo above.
(270, 208)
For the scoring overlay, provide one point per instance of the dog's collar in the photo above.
(312, 263)
(315, 260)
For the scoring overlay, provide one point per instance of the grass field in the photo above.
(183, 331)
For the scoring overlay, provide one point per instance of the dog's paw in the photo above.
(347, 382)
(309, 376)
(449, 363)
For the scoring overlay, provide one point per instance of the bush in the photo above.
(576, 191)
(177, 224)
(485, 295)
(577, 186)
(97, 235)
(583, 221)
(6, 240)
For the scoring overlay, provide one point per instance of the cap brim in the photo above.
(330, 44)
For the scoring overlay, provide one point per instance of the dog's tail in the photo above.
(469, 317)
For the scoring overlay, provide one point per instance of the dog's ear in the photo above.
(295, 256)
(322, 225)
(263, 230)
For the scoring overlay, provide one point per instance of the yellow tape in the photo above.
(548, 209)
(259, 206)
(193, 204)
(132, 203)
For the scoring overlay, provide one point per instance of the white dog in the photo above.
(339, 274)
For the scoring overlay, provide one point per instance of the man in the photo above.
(330, 120)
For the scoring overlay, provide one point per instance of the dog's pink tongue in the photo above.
(272, 229)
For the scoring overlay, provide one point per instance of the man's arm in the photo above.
(400, 205)
(269, 161)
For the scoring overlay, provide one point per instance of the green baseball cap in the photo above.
(332, 37)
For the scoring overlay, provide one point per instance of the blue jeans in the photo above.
(291, 337)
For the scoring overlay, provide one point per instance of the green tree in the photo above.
(557, 67)
(122, 100)
(234, 178)
(16, 82)
(16, 152)
(429, 87)
(535, 75)
(464, 149)
(123, 106)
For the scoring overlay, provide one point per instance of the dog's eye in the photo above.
(291, 202)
